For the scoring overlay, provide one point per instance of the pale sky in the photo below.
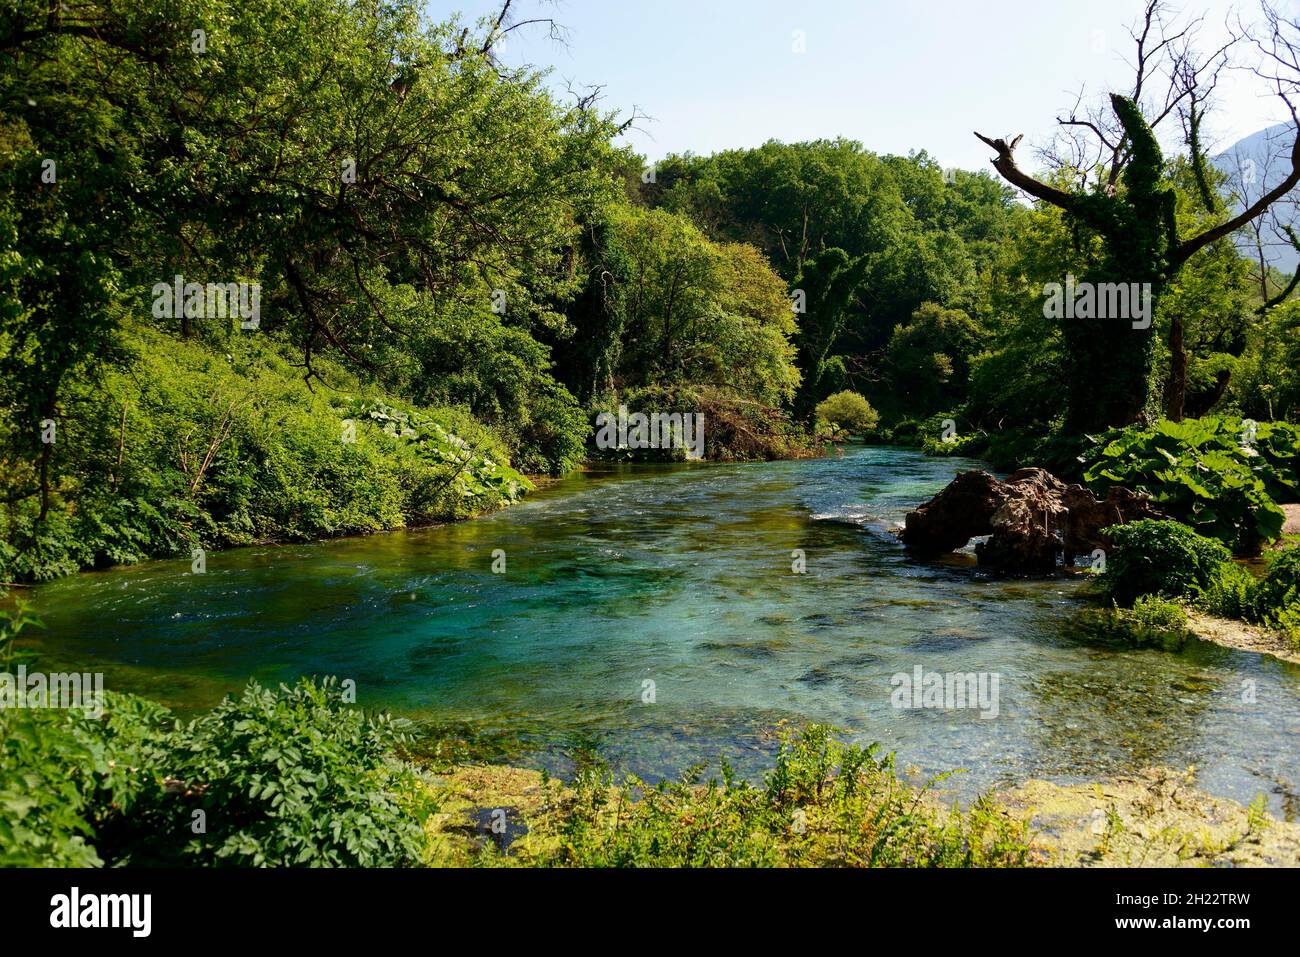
(897, 75)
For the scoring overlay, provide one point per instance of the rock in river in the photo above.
(1033, 519)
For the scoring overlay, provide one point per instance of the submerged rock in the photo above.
(1033, 520)
(1153, 818)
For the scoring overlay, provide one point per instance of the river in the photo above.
(653, 612)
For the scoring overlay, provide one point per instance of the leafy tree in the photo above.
(828, 282)
(700, 312)
(1132, 209)
(791, 200)
(405, 205)
(849, 411)
(930, 358)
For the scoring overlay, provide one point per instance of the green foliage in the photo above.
(735, 429)
(1157, 614)
(930, 357)
(475, 476)
(1017, 372)
(67, 776)
(905, 432)
(296, 777)
(1160, 558)
(293, 777)
(1204, 472)
(42, 805)
(848, 411)
(181, 447)
(407, 210)
(911, 232)
(290, 778)
(1230, 593)
(1266, 378)
(828, 282)
(788, 198)
(823, 803)
(945, 433)
(1275, 600)
(463, 355)
(1152, 622)
(12, 622)
(697, 312)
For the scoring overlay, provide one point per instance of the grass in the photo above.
(823, 803)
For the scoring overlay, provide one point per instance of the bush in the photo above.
(1158, 614)
(43, 806)
(849, 412)
(944, 433)
(66, 777)
(1230, 593)
(1205, 472)
(904, 432)
(288, 778)
(1170, 560)
(1160, 558)
(1275, 600)
(1156, 621)
(183, 446)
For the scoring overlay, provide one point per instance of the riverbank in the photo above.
(1242, 636)
(508, 816)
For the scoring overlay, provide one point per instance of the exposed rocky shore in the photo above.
(1156, 818)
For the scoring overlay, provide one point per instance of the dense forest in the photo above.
(452, 268)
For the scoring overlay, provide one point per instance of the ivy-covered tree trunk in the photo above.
(1111, 359)
(585, 361)
(1176, 384)
(1113, 355)
(828, 283)
(1110, 373)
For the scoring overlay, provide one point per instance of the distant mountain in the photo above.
(1261, 161)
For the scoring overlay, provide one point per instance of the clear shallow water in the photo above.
(681, 575)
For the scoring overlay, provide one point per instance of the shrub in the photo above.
(1160, 558)
(944, 433)
(287, 778)
(848, 411)
(293, 777)
(904, 432)
(1205, 472)
(1158, 614)
(66, 777)
(183, 446)
(42, 806)
(1156, 621)
(1230, 593)
(1275, 600)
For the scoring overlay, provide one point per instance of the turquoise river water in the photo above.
(682, 576)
